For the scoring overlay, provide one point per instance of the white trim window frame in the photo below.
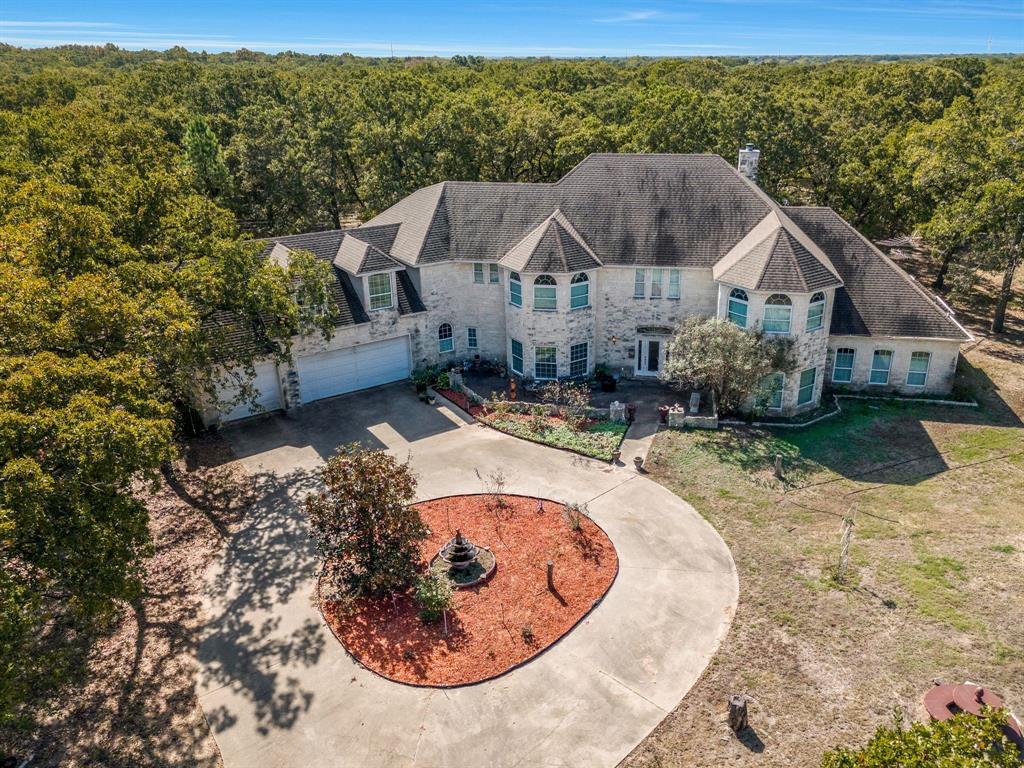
(471, 339)
(843, 374)
(778, 314)
(579, 291)
(918, 377)
(516, 356)
(579, 359)
(380, 295)
(478, 273)
(772, 388)
(545, 363)
(657, 276)
(877, 357)
(494, 274)
(738, 307)
(816, 312)
(639, 282)
(674, 283)
(545, 293)
(805, 393)
(515, 289)
(445, 338)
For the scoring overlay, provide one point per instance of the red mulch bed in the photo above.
(461, 400)
(486, 628)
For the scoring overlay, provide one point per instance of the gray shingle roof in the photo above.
(553, 246)
(877, 298)
(644, 210)
(358, 257)
(779, 262)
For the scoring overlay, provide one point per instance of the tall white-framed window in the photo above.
(881, 364)
(517, 357)
(495, 274)
(545, 295)
(772, 387)
(579, 291)
(778, 313)
(471, 338)
(545, 363)
(515, 290)
(842, 368)
(445, 338)
(639, 281)
(673, 284)
(478, 272)
(579, 358)
(816, 312)
(738, 303)
(806, 392)
(656, 278)
(379, 290)
(917, 373)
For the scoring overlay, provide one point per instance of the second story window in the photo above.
(478, 272)
(639, 278)
(579, 291)
(656, 276)
(778, 313)
(495, 275)
(673, 284)
(515, 290)
(544, 293)
(816, 312)
(380, 291)
(738, 307)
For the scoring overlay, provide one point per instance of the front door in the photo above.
(650, 355)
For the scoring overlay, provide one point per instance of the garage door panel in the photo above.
(348, 370)
(269, 396)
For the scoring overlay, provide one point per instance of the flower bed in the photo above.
(460, 399)
(597, 439)
(494, 626)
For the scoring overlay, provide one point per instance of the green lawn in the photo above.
(934, 591)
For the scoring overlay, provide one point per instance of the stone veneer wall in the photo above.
(941, 371)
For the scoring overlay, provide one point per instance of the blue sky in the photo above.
(527, 27)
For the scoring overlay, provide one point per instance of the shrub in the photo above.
(435, 595)
(963, 741)
(574, 514)
(527, 633)
(571, 399)
(363, 525)
(538, 419)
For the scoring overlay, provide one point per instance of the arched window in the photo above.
(579, 291)
(445, 338)
(816, 312)
(544, 296)
(778, 313)
(515, 290)
(738, 307)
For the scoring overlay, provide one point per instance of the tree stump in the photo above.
(551, 576)
(737, 713)
(778, 466)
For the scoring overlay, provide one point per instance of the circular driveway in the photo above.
(279, 690)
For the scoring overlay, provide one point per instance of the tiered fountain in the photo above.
(465, 564)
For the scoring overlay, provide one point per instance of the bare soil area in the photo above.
(498, 624)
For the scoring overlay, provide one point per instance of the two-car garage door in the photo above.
(269, 393)
(347, 370)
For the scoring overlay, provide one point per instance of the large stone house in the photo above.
(598, 268)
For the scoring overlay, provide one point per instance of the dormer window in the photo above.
(778, 313)
(380, 293)
(816, 312)
(544, 293)
(579, 291)
(738, 307)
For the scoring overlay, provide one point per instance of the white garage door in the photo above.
(269, 397)
(346, 370)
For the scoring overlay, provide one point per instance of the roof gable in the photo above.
(553, 246)
(359, 258)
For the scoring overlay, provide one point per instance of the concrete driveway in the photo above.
(278, 689)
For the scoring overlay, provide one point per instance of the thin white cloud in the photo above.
(629, 16)
(60, 24)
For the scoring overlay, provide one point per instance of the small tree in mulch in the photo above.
(364, 527)
(435, 595)
(571, 399)
(963, 741)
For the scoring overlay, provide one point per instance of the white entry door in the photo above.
(650, 355)
(347, 370)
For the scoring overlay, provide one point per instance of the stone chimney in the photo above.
(747, 165)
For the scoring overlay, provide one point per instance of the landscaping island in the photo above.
(499, 623)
